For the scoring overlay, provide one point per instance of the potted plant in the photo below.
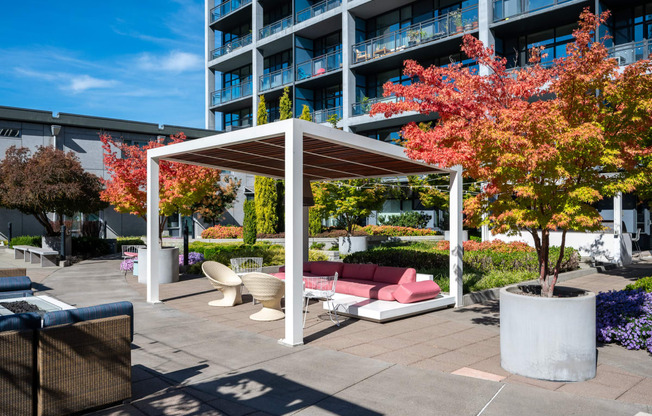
(456, 18)
(544, 169)
(468, 24)
(333, 120)
(414, 36)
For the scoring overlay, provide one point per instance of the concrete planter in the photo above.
(168, 265)
(53, 243)
(350, 244)
(548, 338)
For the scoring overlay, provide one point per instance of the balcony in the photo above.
(322, 116)
(234, 92)
(226, 8)
(319, 66)
(451, 24)
(317, 9)
(504, 9)
(632, 52)
(240, 124)
(276, 79)
(231, 46)
(275, 27)
(364, 107)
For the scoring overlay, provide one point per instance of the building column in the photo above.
(456, 248)
(618, 228)
(209, 81)
(348, 78)
(485, 17)
(257, 61)
(294, 222)
(153, 242)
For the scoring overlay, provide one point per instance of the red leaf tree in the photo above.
(182, 187)
(549, 142)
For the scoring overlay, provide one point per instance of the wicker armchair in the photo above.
(225, 280)
(269, 291)
(13, 271)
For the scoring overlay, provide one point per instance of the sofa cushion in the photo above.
(15, 283)
(417, 291)
(281, 275)
(358, 271)
(106, 310)
(366, 289)
(306, 267)
(395, 275)
(20, 321)
(326, 268)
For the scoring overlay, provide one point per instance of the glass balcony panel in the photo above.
(364, 107)
(234, 45)
(322, 116)
(231, 93)
(275, 27)
(319, 66)
(631, 52)
(276, 79)
(226, 8)
(317, 9)
(508, 8)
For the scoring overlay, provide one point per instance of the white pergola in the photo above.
(297, 151)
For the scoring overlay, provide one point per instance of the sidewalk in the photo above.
(189, 359)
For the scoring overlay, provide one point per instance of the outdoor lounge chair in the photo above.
(322, 287)
(224, 280)
(269, 290)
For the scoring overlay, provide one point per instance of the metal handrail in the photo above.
(322, 116)
(225, 8)
(504, 9)
(275, 27)
(317, 9)
(231, 93)
(450, 24)
(628, 53)
(320, 65)
(231, 46)
(364, 107)
(278, 78)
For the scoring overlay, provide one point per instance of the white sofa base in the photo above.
(383, 310)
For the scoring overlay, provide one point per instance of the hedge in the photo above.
(26, 240)
(90, 247)
(220, 231)
(128, 241)
(644, 283)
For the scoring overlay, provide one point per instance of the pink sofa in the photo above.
(372, 281)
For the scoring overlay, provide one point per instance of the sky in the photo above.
(137, 60)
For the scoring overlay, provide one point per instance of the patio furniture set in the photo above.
(61, 360)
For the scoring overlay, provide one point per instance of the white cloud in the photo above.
(81, 83)
(175, 61)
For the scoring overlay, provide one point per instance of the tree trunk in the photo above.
(43, 219)
(546, 288)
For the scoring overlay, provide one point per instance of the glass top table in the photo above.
(44, 302)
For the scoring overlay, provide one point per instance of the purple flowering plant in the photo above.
(127, 265)
(193, 258)
(625, 317)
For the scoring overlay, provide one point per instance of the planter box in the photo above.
(548, 338)
(168, 265)
(349, 245)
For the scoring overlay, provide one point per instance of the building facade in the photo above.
(81, 135)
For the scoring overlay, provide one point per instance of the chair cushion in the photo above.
(358, 271)
(20, 321)
(395, 275)
(366, 289)
(15, 283)
(417, 291)
(107, 310)
(326, 268)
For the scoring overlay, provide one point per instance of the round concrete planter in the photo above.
(548, 338)
(168, 265)
(351, 244)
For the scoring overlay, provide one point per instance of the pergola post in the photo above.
(294, 236)
(153, 243)
(455, 226)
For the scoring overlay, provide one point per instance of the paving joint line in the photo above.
(492, 399)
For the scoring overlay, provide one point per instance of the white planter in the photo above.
(548, 338)
(53, 243)
(168, 265)
(350, 244)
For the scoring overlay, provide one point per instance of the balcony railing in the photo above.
(317, 9)
(319, 66)
(631, 52)
(240, 123)
(231, 93)
(322, 116)
(275, 27)
(276, 79)
(364, 107)
(429, 31)
(504, 9)
(231, 46)
(226, 8)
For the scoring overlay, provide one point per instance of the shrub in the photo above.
(223, 253)
(266, 197)
(220, 231)
(317, 246)
(90, 247)
(314, 221)
(26, 240)
(193, 258)
(393, 231)
(315, 255)
(400, 257)
(129, 241)
(625, 317)
(127, 265)
(413, 219)
(495, 245)
(249, 223)
(644, 283)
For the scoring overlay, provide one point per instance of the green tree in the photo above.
(305, 113)
(211, 208)
(261, 117)
(50, 180)
(266, 201)
(314, 221)
(350, 201)
(285, 105)
(249, 224)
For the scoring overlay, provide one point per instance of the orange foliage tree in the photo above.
(549, 142)
(182, 187)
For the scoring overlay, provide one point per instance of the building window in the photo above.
(554, 41)
(9, 132)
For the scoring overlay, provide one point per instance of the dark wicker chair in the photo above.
(13, 271)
